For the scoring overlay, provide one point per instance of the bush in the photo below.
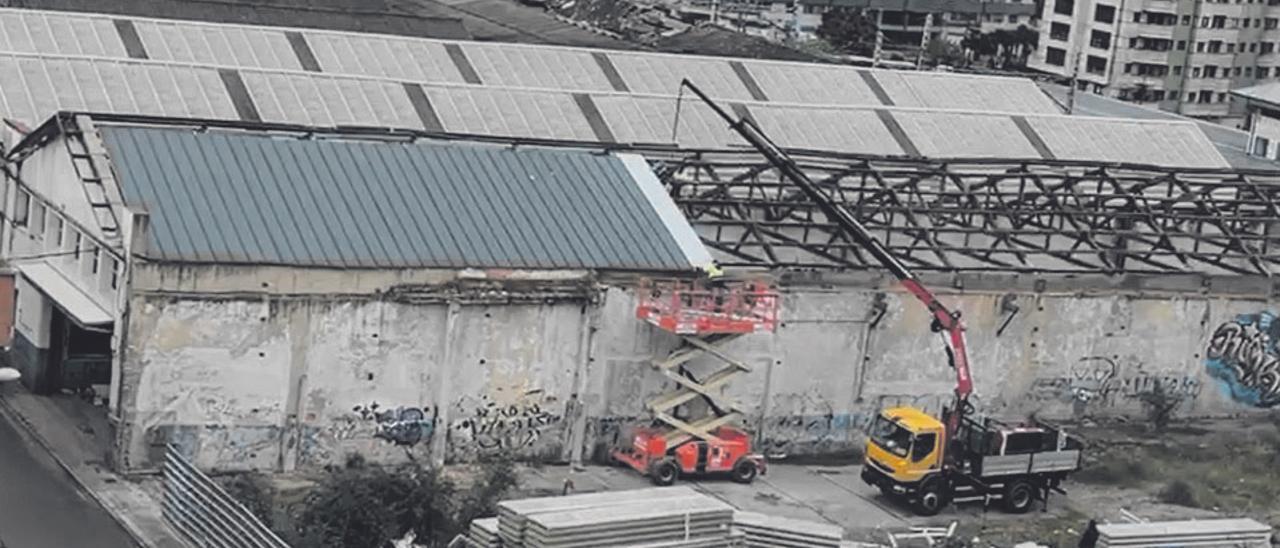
(364, 506)
(1160, 405)
(1178, 492)
(254, 492)
(1114, 471)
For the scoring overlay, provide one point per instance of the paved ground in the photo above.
(67, 436)
(41, 506)
(828, 494)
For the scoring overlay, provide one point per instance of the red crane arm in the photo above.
(944, 320)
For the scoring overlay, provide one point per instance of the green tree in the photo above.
(848, 29)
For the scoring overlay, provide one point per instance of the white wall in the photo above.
(283, 382)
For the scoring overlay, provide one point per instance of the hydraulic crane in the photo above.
(911, 454)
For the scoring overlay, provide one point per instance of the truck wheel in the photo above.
(1019, 496)
(930, 498)
(744, 471)
(663, 473)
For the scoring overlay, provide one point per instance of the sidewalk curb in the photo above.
(10, 411)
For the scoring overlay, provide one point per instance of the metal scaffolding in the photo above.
(1008, 216)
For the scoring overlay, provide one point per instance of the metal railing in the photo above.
(205, 514)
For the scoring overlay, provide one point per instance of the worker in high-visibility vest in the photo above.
(713, 271)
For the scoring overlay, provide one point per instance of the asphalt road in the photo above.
(41, 507)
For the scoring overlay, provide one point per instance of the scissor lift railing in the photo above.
(706, 318)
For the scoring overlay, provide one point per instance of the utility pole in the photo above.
(1075, 75)
(924, 40)
(875, 61)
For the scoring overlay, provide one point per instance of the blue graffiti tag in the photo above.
(1244, 354)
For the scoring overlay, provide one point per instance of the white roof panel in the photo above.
(962, 135)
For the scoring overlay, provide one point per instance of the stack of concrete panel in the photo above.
(484, 533)
(734, 539)
(622, 518)
(763, 531)
(513, 515)
(634, 523)
(1209, 532)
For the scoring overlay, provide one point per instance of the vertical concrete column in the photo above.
(440, 441)
(578, 430)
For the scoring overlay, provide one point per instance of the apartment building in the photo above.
(1183, 56)
(903, 21)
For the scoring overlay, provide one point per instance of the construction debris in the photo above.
(763, 531)
(931, 535)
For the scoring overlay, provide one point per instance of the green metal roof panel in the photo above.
(234, 197)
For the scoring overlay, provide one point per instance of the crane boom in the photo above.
(944, 320)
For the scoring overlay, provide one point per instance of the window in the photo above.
(1182, 45)
(1267, 47)
(95, 255)
(923, 446)
(1245, 23)
(1199, 47)
(1204, 21)
(1222, 97)
(1064, 7)
(1055, 56)
(1234, 72)
(1177, 71)
(1100, 39)
(1210, 71)
(1059, 31)
(1215, 46)
(21, 208)
(1195, 72)
(38, 213)
(1205, 96)
(1157, 95)
(1272, 23)
(1013, 18)
(1095, 65)
(1260, 145)
(1253, 47)
(1263, 72)
(1186, 19)
(1248, 72)
(1137, 16)
(75, 243)
(1103, 13)
(890, 436)
(57, 231)
(115, 272)
(1218, 22)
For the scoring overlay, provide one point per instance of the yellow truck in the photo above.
(906, 457)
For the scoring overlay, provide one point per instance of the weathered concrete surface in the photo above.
(288, 378)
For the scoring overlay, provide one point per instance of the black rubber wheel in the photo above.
(930, 499)
(663, 473)
(1019, 497)
(744, 471)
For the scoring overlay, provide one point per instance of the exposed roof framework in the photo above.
(1048, 217)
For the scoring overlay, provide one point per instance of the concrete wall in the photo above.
(280, 380)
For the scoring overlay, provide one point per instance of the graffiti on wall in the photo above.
(489, 425)
(407, 426)
(1104, 382)
(1244, 355)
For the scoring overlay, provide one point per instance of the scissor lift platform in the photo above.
(706, 317)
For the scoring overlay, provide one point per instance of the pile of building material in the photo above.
(656, 517)
(1208, 532)
(761, 531)
(484, 533)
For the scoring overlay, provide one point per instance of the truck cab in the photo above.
(904, 449)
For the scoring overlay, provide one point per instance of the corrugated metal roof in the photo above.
(423, 60)
(234, 197)
(32, 87)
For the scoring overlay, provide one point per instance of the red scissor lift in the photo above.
(706, 318)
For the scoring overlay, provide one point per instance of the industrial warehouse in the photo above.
(268, 250)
